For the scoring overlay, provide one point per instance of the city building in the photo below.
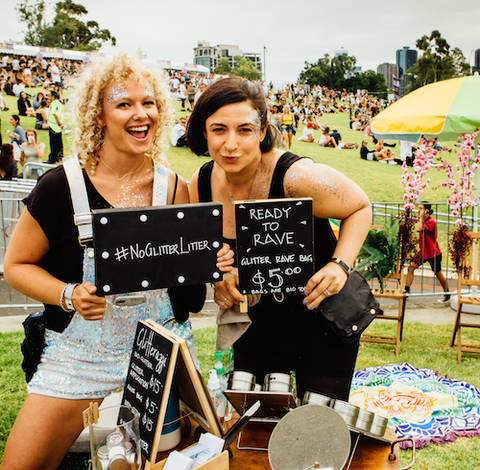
(406, 58)
(389, 71)
(208, 56)
(476, 66)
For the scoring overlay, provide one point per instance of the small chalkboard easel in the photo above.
(160, 357)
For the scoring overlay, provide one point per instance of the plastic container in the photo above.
(219, 367)
(115, 439)
(217, 396)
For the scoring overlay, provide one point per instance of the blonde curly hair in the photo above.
(85, 107)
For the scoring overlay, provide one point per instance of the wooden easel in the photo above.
(179, 367)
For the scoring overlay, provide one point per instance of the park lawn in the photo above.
(382, 183)
(423, 346)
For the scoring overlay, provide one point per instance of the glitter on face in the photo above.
(253, 118)
(117, 92)
(149, 91)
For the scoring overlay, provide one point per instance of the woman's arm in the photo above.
(334, 196)
(27, 247)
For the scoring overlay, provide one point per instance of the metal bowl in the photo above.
(347, 411)
(312, 398)
(379, 425)
(241, 381)
(278, 382)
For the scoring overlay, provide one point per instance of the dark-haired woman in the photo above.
(8, 165)
(230, 121)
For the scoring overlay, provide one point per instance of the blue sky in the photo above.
(293, 32)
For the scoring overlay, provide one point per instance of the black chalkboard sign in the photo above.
(139, 249)
(148, 383)
(158, 358)
(274, 245)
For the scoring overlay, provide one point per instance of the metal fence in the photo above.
(12, 193)
(425, 283)
(11, 206)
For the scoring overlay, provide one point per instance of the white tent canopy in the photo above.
(57, 53)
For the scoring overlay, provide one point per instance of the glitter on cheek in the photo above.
(118, 92)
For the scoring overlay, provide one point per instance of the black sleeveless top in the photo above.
(324, 239)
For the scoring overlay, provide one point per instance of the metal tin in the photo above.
(241, 381)
(278, 382)
(364, 420)
(257, 388)
(312, 398)
(379, 425)
(348, 412)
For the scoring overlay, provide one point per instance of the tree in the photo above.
(34, 17)
(437, 62)
(338, 73)
(223, 67)
(331, 72)
(241, 68)
(66, 31)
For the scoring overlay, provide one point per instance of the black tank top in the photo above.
(324, 239)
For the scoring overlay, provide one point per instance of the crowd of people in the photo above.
(117, 156)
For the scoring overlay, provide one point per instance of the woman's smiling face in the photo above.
(233, 135)
(130, 117)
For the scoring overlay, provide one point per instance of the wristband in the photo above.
(342, 264)
(66, 297)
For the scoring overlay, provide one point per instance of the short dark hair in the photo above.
(427, 206)
(221, 93)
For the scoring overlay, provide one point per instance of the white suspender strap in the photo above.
(82, 214)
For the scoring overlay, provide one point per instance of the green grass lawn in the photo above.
(424, 346)
(380, 182)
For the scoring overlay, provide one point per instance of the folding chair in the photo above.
(468, 277)
(393, 289)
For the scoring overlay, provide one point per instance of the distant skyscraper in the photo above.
(389, 71)
(406, 58)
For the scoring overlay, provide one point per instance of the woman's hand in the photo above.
(324, 283)
(90, 306)
(225, 258)
(226, 291)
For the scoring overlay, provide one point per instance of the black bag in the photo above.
(350, 311)
(33, 344)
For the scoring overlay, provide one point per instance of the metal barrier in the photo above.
(11, 206)
(425, 282)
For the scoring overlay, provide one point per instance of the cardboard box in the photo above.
(220, 462)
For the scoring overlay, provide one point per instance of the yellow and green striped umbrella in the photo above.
(443, 109)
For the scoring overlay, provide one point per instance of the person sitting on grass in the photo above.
(308, 131)
(326, 140)
(373, 155)
(429, 251)
(340, 145)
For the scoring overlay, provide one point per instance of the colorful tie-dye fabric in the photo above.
(419, 403)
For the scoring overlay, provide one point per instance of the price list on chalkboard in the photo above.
(274, 245)
(146, 380)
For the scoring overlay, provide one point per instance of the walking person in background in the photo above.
(428, 249)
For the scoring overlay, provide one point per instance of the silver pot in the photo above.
(241, 381)
(347, 411)
(278, 382)
(312, 398)
(364, 420)
(379, 425)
